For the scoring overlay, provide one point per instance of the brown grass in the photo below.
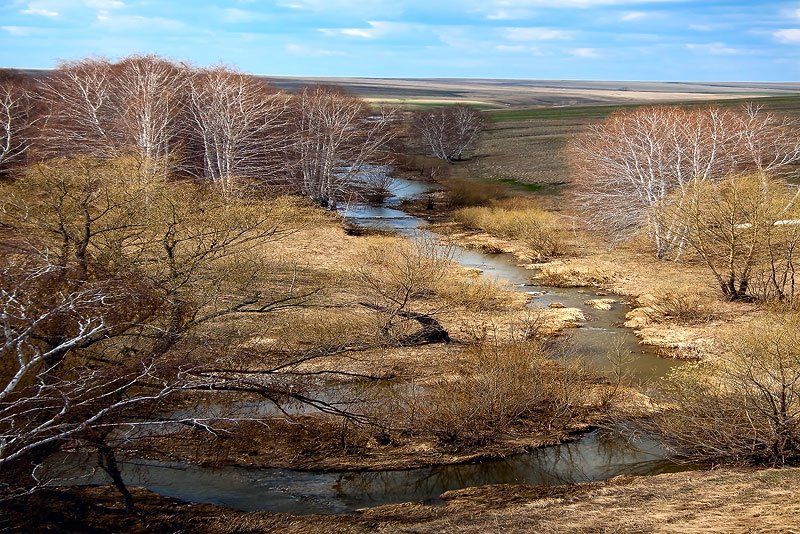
(521, 220)
(464, 192)
(681, 305)
(722, 501)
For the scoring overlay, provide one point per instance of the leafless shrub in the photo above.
(743, 407)
(681, 305)
(394, 279)
(742, 227)
(498, 386)
(448, 132)
(474, 292)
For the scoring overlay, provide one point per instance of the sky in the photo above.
(668, 40)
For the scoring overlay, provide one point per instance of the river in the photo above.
(594, 456)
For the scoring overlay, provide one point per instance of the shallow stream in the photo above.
(594, 456)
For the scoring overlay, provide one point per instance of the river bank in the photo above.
(349, 470)
(647, 285)
(725, 501)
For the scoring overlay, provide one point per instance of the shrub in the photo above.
(745, 229)
(742, 408)
(496, 387)
(476, 293)
(534, 226)
(680, 305)
(463, 193)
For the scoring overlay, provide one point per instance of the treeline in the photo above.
(214, 124)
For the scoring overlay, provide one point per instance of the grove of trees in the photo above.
(709, 181)
(213, 124)
(136, 200)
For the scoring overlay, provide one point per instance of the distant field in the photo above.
(502, 94)
(785, 104)
(527, 145)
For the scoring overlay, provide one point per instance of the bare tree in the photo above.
(150, 93)
(448, 132)
(742, 227)
(109, 287)
(81, 111)
(17, 119)
(637, 160)
(336, 140)
(105, 110)
(241, 124)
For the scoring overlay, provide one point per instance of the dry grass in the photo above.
(722, 501)
(681, 305)
(464, 193)
(521, 220)
(497, 386)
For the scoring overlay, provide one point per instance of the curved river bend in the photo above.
(594, 456)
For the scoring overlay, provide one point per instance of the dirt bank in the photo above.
(724, 501)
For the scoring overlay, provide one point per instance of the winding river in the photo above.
(594, 456)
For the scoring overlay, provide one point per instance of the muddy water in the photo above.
(594, 456)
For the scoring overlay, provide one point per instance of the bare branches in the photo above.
(335, 140)
(448, 132)
(636, 160)
(17, 120)
(744, 408)
(743, 228)
(106, 110)
(108, 292)
(240, 124)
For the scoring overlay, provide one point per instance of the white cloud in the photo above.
(717, 49)
(38, 10)
(235, 15)
(585, 52)
(633, 15)
(509, 14)
(585, 4)
(104, 4)
(793, 13)
(787, 36)
(18, 31)
(536, 34)
(374, 30)
(519, 49)
(701, 27)
(511, 48)
(137, 22)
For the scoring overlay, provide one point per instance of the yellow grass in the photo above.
(538, 229)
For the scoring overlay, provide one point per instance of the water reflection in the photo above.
(593, 457)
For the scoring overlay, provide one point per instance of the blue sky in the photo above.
(560, 39)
